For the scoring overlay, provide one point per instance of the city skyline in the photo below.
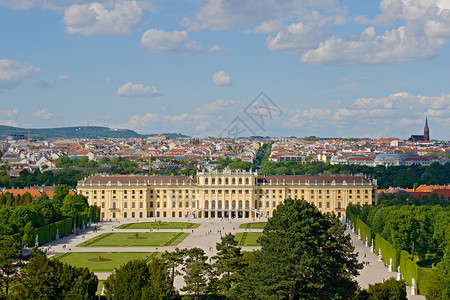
(328, 68)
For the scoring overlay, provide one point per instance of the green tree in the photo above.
(42, 278)
(61, 191)
(73, 205)
(10, 262)
(444, 272)
(197, 273)
(153, 281)
(229, 265)
(172, 260)
(304, 254)
(391, 289)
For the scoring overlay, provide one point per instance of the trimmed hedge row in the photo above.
(48, 232)
(425, 278)
(387, 252)
(360, 226)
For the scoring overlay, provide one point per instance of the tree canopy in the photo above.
(304, 254)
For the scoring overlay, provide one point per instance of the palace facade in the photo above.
(221, 194)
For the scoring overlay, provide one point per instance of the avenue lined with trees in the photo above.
(419, 226)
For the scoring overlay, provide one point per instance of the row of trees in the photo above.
(417, 225)
(407, 226)
(399, 176)
(23, 214)
(37, 277)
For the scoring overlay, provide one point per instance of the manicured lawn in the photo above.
(249, 240)
(157, 225)
(257, 225)
(128, 239)
(110, 260)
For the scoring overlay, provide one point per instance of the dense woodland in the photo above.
(316, 262)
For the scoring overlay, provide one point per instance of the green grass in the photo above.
(257, 225)
(157, 225)
(128, 239)
(248, 239)
(116, 259)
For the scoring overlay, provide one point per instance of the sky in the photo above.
(326, 68)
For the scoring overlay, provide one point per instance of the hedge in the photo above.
(425, 278)
(360, 226)
(17, 237)
(364, 230)
(387, 251)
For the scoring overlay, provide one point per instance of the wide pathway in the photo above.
(206, 236)
(375, 271)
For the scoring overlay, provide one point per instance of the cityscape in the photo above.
(223, 149)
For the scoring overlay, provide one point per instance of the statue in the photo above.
(36, 243)
(57, 233)
(413, 286)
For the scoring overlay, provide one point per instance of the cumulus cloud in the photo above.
(176, 42)
(44, 114)
(221, 78)
(130, 89)
(13, 72)
(394, 113)
(424, 29)
(95, 19)
(295, 38)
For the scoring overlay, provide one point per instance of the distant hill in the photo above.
(78, 132)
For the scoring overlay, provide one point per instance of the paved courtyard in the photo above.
(206, 236)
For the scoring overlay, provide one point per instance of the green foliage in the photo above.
(229, 266)
(42, 278)
(10, 263)
(388, 251)
(444, 272)
(197, 273)
(391, 289)
(402, 176)
(304, 254)
(138, 279)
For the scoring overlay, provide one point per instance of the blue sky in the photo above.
(329, 68)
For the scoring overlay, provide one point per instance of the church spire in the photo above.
(426, 131)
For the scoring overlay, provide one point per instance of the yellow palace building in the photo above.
(221, 194)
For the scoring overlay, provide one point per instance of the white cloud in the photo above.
(223, 14)
(8, 123)
(44, 114)
(203, 126)
(109, 80)
(13, 72)
(95, 19)
(176, 42)
(9, 113)
(397, 114)
(295, 38)
(221, 78)
(64, 76)
(215, 106)
(424, 29)
(130, 89)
